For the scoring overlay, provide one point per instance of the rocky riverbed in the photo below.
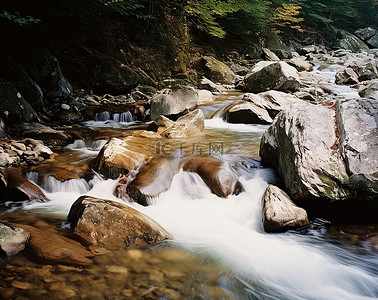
(170, 193)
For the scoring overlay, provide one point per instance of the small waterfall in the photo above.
(97, 145)
(76, 145)
(102, 116)
(33, 177)
(123, 117)
(53, 185)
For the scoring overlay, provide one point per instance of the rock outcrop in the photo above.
(347, 76)
(348, 41)
(371, 91)
(266, 76)
(175, 101)
(280, 213)
(207, 84)
(365, 33)
(113, 225)
(247, 113)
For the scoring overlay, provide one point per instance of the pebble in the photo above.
(135, 254)
(65, 106)
(21, 285)
(117, 269)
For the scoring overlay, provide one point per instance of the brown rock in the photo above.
(152, 180)
(221, 180)
(113, 225)
(18, 188)
(54, 248)
(119, 157)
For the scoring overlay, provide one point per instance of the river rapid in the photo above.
(219, 251)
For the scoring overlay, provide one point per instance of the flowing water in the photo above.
(219, 251)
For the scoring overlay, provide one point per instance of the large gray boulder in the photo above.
(216, 70)
(365, 33)
(13, 107)
(177, 100)
(268, 75)
(348, 41)
(113, 225)
(12, 239)
(358, 124)
(207, 84)
(373, 41)
(318, 159)
(280, 213)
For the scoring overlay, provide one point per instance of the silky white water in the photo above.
(292, 265)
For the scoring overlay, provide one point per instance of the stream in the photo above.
(219, 251)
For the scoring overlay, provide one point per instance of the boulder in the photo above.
(323, 154)
(366, 71)
(216, 70)
(113, 225)
(347, 76)
(50, 76)
(373, 42)
(348, 41)
(191, 124)
(17, 188)
(205, 96)
(266, 76)
(50, 247)
(358, 123)
(371, 91)
(175, 101)
(270, 55)
(152, 180)
(217, 174)
(300, 64)
(280, 213)
(247, 113)
(365, 33)
(13, 107)
(207, 84)
(12, 239)
(302, 145)
(119, 157)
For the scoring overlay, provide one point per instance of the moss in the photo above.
(329, 185)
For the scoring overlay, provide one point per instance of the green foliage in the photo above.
(131, 8)
(18, 19)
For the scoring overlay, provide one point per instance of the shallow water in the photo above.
(219, 250)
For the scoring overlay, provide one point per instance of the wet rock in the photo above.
(207, 84)
(247, 113)
(270, 55)
(266, 76)
(217, 175)
(177, 100)
(191, 124)
(205, 96)
(5, 159)
(17, 188)
(113, 225)
(299, 145)
(347, 76)
(152, 180)
(12, 239)
(54, 248)
(3, 133)
(119, 157)
(216, 70)
(348, 41)
(300, 64)
(13, 107)
(280, 213)
(365, 33)
(42, 132)
(371, 91)
(318, 159)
